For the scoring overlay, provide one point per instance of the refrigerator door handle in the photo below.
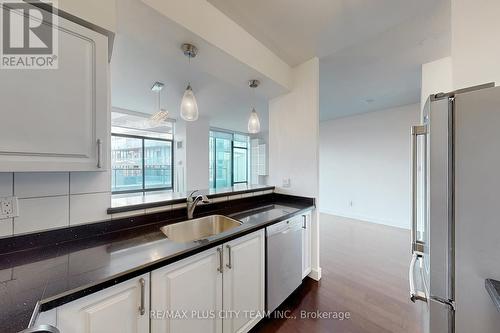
(415, 132)
(414, 294)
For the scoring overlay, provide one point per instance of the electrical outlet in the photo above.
(8, 208)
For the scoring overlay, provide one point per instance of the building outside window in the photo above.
(141, 153)
(229, 159)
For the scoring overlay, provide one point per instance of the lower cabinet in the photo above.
(186, 292)
(123, 308)
(306, 244)
(221, 289)
(244, 282)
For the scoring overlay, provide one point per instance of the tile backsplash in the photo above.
(49, 200)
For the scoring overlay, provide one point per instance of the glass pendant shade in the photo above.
(189, 108)
(254, 123)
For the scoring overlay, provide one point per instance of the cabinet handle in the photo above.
(304, 224)
(142, 307)
(229, 257)
(221, 264)
(99, 153)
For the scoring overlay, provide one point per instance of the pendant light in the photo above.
(189, 107)
(161, 114)
(253, 121)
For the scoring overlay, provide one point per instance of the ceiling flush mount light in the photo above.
(189, 107)
(161, 114)
(253, 121)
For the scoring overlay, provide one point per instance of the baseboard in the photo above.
(363, 218)
(315, 274)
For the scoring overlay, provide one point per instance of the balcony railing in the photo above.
(125, 179)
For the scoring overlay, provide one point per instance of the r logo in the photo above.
(28, 34)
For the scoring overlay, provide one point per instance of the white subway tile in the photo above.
(90, 182)
(128, 214)
(87, 208)
(41, 214)
(40, 184)
(6, 187)
(6, 227)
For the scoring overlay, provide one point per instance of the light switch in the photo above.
(286, 182)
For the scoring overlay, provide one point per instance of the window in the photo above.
(141, 154)
(228, 154)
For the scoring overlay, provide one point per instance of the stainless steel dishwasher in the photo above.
(284, 261)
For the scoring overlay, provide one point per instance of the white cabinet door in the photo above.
(188, 292)
(58, 119)
(243, 282)
(306, 244)
(113, 310)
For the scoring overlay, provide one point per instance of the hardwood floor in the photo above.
(365, 269)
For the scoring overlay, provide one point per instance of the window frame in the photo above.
(232, 164)
(214, 181)
(144, 189)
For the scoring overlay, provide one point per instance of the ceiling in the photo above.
(147, 49)
(370, 51)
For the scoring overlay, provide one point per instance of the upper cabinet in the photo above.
(58, 119)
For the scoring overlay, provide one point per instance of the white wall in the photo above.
(197, 136)
(191, 160)
(293, 134)
(474, 49)
(180, 156)
(475, 46)
(364, 159)
(437, 76)
(293, 143)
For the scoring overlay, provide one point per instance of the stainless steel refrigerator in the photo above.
(455, 206)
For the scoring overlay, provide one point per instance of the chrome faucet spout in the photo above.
(192, 201)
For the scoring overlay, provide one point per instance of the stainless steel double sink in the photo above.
(200, 228)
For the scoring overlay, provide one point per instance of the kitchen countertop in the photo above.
(493, 288)
(53, 275)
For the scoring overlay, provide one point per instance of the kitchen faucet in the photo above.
(192, 201)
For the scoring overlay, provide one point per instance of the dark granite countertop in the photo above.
(493, 288)
(51, 275)
(133, 201)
